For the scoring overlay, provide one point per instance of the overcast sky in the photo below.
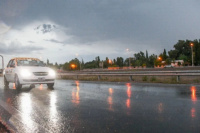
(89, 28)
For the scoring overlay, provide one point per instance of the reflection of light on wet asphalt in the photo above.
(193, 95)
(110, 91)
(75, 94)
(193, 112)
(194, 99)
(128, 103)
(160, 108)
(41, 86)
(110, 99)
(54, 115)
(77, 83)
(26, 109)
(128, 92)
(53, 109)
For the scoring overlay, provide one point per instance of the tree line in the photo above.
(182, 50)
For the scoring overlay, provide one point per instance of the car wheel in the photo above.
(50, 85)
(17, 83)
(6, 83)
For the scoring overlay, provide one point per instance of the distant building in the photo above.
(101, 64)
(177, 63)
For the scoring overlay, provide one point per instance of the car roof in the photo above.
(24, 58)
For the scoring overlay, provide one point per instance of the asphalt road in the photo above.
(78, 106)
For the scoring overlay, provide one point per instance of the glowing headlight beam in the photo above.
(52, 73)
(25, 73)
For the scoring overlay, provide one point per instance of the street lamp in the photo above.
(129, 58)
(110, 61)
(2, 62)
(191, 44)
(79, 61)
(73, 66)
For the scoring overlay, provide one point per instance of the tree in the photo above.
(106, 63)
(47, 62)
(140, 59)
(173, 54)
(196, 52)
(97, 61)
(138, 63)
(168, 61)
(181, 47)
(66, 66)
(183, 57)
(120, 61)
(90, 64)
(152, 59)
(147, 54)
(164, 55)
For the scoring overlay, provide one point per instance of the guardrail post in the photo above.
(131, 78)
(178, 78)
(99, 77)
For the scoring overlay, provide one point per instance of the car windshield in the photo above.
(29, 62)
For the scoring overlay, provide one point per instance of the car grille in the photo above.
(40, 73)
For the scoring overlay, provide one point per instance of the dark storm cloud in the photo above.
(16, 48)
(149, 23)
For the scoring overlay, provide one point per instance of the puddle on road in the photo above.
(85, 107)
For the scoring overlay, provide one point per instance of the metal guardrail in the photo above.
(131, 74)
(136, 72)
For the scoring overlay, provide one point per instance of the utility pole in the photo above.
(129, 58)
(191, 44)
(2, 62)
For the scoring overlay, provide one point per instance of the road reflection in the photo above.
(128, 91)
(194, 99)
(41, 87)
(25, 105)
(54, 123)
(53, 109)
(160, 108)
(110, 99)
(193, 93)
(75, 94)
(193, 112)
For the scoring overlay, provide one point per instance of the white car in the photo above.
(168, 66)
(31, 71)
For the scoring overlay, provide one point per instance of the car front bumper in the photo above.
(37, 80)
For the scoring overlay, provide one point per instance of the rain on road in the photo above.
(78, 106)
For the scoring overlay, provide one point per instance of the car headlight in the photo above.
(25, 73)
(52, 73)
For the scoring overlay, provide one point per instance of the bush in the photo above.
(145, 78)
(153, 79)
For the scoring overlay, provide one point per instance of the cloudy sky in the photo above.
(60, 30)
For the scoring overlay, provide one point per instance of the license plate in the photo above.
(41, 79)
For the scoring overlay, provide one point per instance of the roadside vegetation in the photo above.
(182, 51)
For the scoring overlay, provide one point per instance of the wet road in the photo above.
(77, 106)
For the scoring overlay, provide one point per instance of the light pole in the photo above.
(2, 62)
(129, 58)
(80, 61)
(191, 44)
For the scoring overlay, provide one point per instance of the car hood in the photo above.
(34, 69)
